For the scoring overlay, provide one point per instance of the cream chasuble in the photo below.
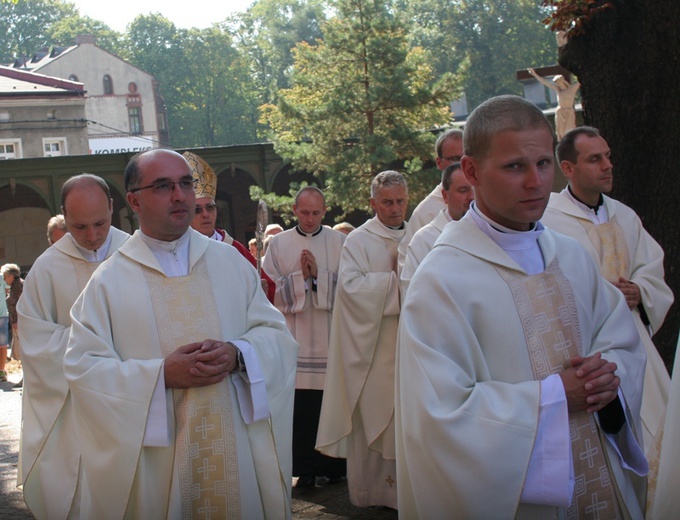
(214, 464)
(623, 248)
(357, 415)
(667, 500)
(49, 457)
(469, 358)
(421, 244)
(306, 304)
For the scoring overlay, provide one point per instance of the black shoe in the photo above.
(305, 482)
(334, 480)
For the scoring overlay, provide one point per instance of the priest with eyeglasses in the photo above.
(181, 372)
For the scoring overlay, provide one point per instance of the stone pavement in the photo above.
(12, 505)
(321, 503)
(332, 502)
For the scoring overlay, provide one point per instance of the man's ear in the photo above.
(567, 168)
(470, 169)
(132, 200)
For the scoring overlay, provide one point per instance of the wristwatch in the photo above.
(240, 362)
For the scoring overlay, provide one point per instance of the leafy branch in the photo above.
(572, 16)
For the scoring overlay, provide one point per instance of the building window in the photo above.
(73, 77)
(162, 121)
(54, 146)
(108, 84)
(135, 116)
(10, 149)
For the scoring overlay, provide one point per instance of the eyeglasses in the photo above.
(452, 158)
(209, 208)
(167, 187)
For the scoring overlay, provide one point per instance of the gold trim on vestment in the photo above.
(205, 450)
(83, 271)
(610, 243)
(547, 310)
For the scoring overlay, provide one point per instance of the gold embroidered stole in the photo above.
(205, 447)
(83, 270)
(612, 249)
(545, 303)
(611, 246)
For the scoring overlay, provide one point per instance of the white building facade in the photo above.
(124, 111)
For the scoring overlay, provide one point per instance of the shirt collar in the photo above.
(594, 208)
(308, 235)
(172, 256)
(96, 255)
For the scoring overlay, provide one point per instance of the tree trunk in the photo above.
(628, 64)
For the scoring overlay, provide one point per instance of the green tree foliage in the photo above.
(64, 32)
(361, 100)
(25, 26)
(267, 33)
(154, 44)
(483, 41)
(206, 84)
(219, 104)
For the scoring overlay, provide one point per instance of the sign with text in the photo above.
(120, 145)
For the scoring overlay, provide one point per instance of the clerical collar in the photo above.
(172, 256)
(308, 235)
(594, 208)
(393, 228)
(521, 246)
(98, 254)
(535, 226)
(391, 232)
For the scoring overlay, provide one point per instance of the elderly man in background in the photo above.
(205, 189)
(272, 229)
(49, 459)
(357, 416)
(56, 228)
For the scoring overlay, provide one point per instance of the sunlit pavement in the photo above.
(322, 502)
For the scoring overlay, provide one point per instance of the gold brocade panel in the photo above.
(83, 270)
(612, 250)
(206, 449)
(545, 303)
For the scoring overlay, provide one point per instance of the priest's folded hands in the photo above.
(200, 364)
(590, 383)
